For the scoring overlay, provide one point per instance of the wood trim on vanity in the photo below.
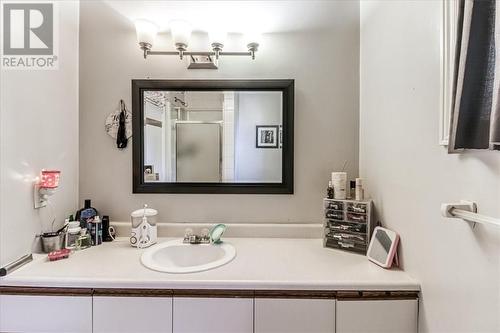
(211, 293)
(42, 291)
(376, 295)
(309, 294)
(113, 292)
(214, 293)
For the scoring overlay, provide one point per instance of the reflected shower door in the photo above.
(198, 151)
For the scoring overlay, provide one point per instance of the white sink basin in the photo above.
(176, 257)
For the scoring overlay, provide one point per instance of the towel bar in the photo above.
(467, 210)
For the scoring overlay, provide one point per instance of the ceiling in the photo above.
(234, 16)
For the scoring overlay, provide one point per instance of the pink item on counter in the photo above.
(59, 254)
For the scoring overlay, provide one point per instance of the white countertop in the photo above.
(260, 263)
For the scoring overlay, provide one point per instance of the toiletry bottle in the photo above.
(352, 189)
(329, 191)
(95, 230)
(360, 195)
(86, 214)
(106, 237)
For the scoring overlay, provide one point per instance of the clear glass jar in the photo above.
(84, 241)
(72, 235)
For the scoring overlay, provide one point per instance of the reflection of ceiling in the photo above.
(157, 98)
(160, 98)
(238, 16)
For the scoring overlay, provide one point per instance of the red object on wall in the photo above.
(50, 178)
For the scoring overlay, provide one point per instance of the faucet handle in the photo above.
(188, 232)
(205, 232)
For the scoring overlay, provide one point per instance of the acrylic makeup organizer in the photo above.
(348, 224)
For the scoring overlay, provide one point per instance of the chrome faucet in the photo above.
(212, 236)
(191, 238)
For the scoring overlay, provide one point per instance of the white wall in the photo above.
(409, 175)
(39, 129)
(323, 62)
(257, 164)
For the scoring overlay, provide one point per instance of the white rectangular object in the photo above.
(132, 314)
(294, 315)
(54, 314)
(217, 315)
(377, 316)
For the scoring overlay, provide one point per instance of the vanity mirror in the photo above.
(213, 136)
(383, 247)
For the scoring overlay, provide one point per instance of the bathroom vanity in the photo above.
(273, 285)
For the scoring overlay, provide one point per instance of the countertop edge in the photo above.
(221, 285)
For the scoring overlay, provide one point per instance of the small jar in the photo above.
(84, 241)
(72, 235)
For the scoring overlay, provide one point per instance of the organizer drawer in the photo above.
(335, 205)
(345, 245)
(358, 218)
(348, 237)
(346, 226)
(358, 208)
(334, 214)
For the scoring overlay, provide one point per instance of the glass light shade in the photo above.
(217, 37)
(50, 179)
(146, 31)
(253, 37)
(181, 32)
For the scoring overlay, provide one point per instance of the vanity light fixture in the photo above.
(45, 186)
(181, 34)
(146, 34)
(217, 40)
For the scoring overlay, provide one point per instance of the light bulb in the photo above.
(181, 33)
(146, 32)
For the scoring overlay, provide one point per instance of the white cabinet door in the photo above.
(52, 314)
(294, 315)
(377, 316)
(132, 314)
(218, 315)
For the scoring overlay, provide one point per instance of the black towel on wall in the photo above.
(121, 135)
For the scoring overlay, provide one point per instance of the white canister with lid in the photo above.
(339, 181)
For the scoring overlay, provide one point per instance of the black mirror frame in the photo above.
(285, 86)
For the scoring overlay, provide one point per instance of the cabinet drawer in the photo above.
(217, 315)
(377, 316)
(294, 315)
(20, 313)
(132, 314)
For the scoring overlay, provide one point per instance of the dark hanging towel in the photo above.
(475, 116)
(121, 135)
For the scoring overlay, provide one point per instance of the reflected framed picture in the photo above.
(267, 136)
